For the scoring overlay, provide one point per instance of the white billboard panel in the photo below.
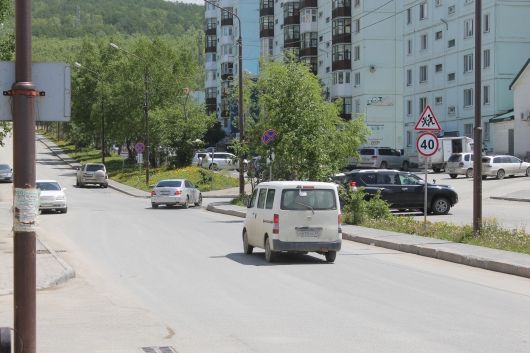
(51, 78)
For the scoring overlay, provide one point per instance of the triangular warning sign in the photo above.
(427, 121)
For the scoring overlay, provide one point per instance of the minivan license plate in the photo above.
(308, 233)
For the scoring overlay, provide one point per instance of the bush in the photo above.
(360, 206)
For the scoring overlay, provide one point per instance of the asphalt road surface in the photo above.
(179, 278)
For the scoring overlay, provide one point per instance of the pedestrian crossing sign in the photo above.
(427, 121)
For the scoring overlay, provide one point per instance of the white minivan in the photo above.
(293, 216)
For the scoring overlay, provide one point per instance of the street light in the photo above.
(146, 107)
(102, 113)
(240, 43)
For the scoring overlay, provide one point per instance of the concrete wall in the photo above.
(522, 110)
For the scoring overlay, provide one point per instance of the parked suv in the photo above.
(404, 190)
(460, 164)
(500, 166)
(92, 173)
(220, 160)
(381, 157)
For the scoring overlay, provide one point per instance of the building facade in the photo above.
(521, 128)
(439, 49)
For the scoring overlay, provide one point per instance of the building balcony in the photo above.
(341, 90)
(312, 51)
(210, 31)
(227, 77)
(341, 65)
(291, 20)
(211, 101)
(212, 49)
(342, 38)
(225, 113)
(346, 117)
(227, 21)
(344, 11)
(267, 11)
(308, 3)
(269, 32)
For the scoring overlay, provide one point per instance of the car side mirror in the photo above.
(196, 186)
(421, 182)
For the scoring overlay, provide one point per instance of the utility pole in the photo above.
(25, 200)
(477, 133)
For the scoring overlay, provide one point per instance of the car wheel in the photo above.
(436, 170)
(527, 171)
(64, 210)
(105, 185)
(331, 256)
(81, 184)
(187, 203)
(269, 254)
(246, 248)
(440, 205)
(453, 176)
(199, 201)
(500, 174)
(469, 173)
(484, 177)
(76, 182)
(405, 167)
(213, 166)
(384, 165)
(154, 205)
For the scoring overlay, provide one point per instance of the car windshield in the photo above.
(48, 186)
(4, 167)
(169, 184)
(317, 199)
(94, 167)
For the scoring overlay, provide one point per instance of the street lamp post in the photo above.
(146, 108)
(240, 59)
(102, 113)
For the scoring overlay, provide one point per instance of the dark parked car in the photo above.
(404, 190)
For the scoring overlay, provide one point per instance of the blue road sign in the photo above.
(268, 136)
(139, 147)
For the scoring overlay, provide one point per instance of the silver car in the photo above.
(173, 192)
(52, 196)
(500, 166)
(6, 173)
(460, 164)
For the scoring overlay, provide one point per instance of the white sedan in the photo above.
(52, 196)
(172, 192)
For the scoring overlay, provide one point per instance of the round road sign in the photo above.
(139, 147)
(268, 136)
(427, 144)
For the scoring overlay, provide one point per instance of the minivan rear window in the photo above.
(317, 199)
(367, 151)
(94, 168)
(455, 158)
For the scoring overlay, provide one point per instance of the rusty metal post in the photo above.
(477, 133)
(24, 170)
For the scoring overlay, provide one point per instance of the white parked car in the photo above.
(219, 160)
(173, 192)
(460, 164)
(52, 196)
(6, 173)
(500, 166)
(293, 216)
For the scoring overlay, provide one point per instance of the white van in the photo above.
(293, 216)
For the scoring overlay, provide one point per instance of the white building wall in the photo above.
(522, 115)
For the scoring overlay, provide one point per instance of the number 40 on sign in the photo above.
(427, 144)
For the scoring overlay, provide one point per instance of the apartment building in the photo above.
(222, 31)
(439, 49)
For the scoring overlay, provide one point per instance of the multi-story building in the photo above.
(439, 50)
(222, 33)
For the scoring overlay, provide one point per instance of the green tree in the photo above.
(313, 141)
(7, 50)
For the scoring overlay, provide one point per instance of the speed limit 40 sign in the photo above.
(427, 144)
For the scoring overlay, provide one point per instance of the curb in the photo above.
(64, 276)
(416, 249)
(508, 198)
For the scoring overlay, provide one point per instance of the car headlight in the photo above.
(61, 197)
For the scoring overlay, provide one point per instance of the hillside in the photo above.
(59, 18)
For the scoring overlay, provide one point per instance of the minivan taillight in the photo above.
(276, 224)
(461, 165)
(153, 193)
(178, 192)
(340, 219)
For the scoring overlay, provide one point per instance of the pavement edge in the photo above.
(64, 276)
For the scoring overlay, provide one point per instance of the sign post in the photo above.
(427, 144)
(267, 138)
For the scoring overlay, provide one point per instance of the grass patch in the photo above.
(128, 173)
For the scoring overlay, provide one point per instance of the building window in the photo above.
(438, 100)
(486, 58)
(327, 69)
(468, 97)
(438, 35)
(468, 29)
(308, 15)
(308, 40)
(357, 79)
(357, 53)
(341, 26)
(341, 52)
(486, 131)
(423, 11)
(468, 130)
(468, 1)
(451, 43)
(486, 98)
(321, 38)
(409, 47)
(409, 77)
(357, 26)
(423, 74)
(438, 68)
(356, 3)
(409, 16)
(423, 42)
(451, 110)
(357, 106)
(266, 46)
(423, 103)
(451, 10)
(320, 14)
(409, 138)
(451, 76)
(486, 22)
(438, 3)
(468, 62)
(409, 107)
(266, 22)
(347, 105)
(327, 19)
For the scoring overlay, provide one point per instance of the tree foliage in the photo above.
(7, 50)
(313, 140)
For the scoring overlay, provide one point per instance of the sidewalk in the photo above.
(52, 270)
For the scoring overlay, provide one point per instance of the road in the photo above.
(175, 277)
